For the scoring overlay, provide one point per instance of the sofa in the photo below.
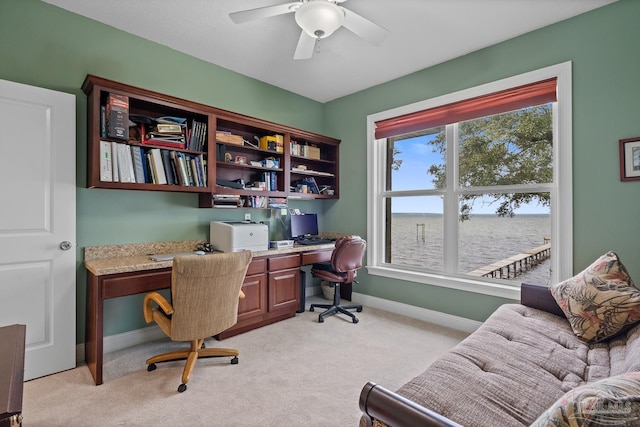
(555, 359)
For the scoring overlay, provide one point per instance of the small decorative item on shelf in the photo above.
(241, 160)
(270, 162)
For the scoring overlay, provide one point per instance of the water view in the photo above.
(484, 239)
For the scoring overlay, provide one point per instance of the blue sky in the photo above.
(413, 174)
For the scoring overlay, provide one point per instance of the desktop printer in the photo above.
(238, 236)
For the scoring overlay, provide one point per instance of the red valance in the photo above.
(529, 95)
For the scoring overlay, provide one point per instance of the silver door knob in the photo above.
(66, 245)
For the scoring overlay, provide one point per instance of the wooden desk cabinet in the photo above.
(271, 287)
(272, 293)
(12, 342)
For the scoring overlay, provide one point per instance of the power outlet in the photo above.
(247, 217)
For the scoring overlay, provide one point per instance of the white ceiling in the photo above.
(422, 33)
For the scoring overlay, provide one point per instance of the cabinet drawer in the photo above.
(257, 266)
(135, 283)
(283, 262)
(316, 256)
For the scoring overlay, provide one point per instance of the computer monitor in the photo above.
(304, 225)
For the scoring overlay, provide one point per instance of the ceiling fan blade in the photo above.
(262, 12)
(304, 50)
(364, 28)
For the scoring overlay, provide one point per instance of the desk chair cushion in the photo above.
(205, 292)
(214, 301)
(346, 259)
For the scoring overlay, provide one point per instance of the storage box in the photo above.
(269, 143)
(229, 138)
(313, 152)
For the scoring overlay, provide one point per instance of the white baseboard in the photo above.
(443, 319)
(127, 339)
(153, 333)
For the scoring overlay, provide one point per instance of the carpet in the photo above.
(297, 372)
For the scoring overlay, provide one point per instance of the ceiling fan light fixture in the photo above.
(319, 18)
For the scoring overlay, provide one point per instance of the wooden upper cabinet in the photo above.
(143, 140)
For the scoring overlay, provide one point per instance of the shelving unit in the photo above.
(146, 104)
(241, 159)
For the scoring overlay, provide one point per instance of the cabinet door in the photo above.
(284, 291)
(254, 302)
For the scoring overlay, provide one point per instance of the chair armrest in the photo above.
(376, 402)
(538, 296)
(164, 305)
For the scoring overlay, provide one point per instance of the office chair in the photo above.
(204, 291)
(346, 259)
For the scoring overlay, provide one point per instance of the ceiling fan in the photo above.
(318, 19)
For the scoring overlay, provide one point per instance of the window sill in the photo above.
(459, 283)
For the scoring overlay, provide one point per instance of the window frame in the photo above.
(560, 189)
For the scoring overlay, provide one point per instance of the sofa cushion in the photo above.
(611, 401)
(600, 301)
(509, 371)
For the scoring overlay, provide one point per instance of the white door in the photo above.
(37, 217)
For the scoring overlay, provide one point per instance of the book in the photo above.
(106, 171)
(125, 167)
(117, 116)
(168, 167)
(158, 166)
(138, 165)
(182, 169)
(150, 169)
(114, 162)
(313, 186)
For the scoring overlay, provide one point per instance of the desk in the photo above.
(271, 286)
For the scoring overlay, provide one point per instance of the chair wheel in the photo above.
(320, 319)
(151, 367)
(355, 320)
(182, 388)
(310, 308)
(359, 309)
(234, 361)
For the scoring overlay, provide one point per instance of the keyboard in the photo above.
(169, 257)
(313, 241)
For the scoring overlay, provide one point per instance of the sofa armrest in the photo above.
(376, 402)
(538, 296)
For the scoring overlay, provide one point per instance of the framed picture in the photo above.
(241, 160)
(630, 159)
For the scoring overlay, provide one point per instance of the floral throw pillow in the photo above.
(613, 401)
(600, 301)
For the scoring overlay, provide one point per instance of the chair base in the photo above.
(335, 308)
(197, 351)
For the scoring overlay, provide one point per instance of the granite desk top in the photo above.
(113, 259)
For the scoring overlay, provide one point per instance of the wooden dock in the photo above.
(517, 264)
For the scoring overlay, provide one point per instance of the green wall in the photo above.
(46, 46)
(604, 47)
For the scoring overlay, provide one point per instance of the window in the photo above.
(472, 190)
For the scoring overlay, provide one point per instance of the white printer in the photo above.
(238, 236)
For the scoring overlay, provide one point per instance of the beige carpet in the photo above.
(293, 373)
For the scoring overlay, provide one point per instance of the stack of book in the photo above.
(198, 136)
